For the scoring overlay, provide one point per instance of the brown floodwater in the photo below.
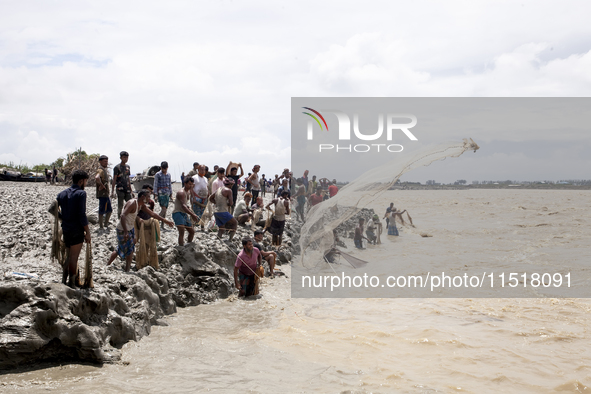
(283, 344)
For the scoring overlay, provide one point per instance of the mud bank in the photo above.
(44, 320)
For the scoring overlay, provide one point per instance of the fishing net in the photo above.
(259, 273)
(269, 219)
(88, 283)
(316, 235)
(354, 261)
(58, 247)
(148, 236)
(207, 215)
(257, 215)
(60, 253)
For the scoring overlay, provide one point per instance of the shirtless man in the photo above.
(194, 171)
(147, 210)
(254, 180)
(270, 257)
(223, 201)
(278, 221)
(182, 212)
(200, 192)
(386, 215)
(301, 198)
(324, 182)
(359, 234)
(276, 184)
(126, 238)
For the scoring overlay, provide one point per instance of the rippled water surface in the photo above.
(278, 344)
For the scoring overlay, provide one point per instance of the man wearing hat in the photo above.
(163, 189)
(121, 179)
(102, 191)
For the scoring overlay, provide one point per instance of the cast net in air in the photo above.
(316, 235)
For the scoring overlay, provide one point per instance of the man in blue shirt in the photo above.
(163, 189)
(72, 202)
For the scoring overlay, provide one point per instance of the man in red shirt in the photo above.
(315, 198)
(333, 189)
(245, 267)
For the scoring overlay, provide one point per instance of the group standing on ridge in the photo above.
(205, 200)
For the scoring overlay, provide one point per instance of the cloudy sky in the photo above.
(212, 81)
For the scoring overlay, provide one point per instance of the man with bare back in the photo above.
(182, 213)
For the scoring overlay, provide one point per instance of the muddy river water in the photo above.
(283, 344)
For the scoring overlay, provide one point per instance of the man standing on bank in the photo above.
(121, 179)
(254, 181)
(182, 213)
(232, 173)
(163, 189)
(200, 192)
(126, 238)
(72, 202)
(102, 192)
(194, 171)
(278, 221)
(223, 201)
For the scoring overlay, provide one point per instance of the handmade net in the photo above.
(148, 236)
(316, 234)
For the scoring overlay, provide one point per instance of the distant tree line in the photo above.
(59, 163)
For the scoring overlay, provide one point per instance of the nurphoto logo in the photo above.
(344, 133)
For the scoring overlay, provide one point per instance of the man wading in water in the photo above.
(301, 198)
(72, 202)
(245, 267)
(359, 235)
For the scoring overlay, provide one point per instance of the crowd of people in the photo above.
(373, 230)
(206, 199)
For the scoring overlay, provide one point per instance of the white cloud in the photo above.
(187, 80)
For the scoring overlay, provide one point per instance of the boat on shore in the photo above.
(7, 174)
(144, 178)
